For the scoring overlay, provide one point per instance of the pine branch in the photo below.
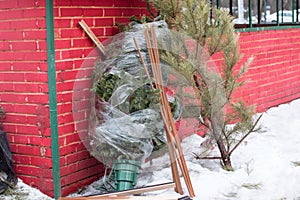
(198, 157)
(245, 136)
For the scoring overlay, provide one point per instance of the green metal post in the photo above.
(297, 10)
(250, 13)
(52, 98)
(258, 11)
(293, 11)
(282, 11)
(277, 10)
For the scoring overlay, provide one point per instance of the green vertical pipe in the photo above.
(250, 12)
(277, 11)
(218, 4)
(52, 99)
(258, 11)
(293, 11)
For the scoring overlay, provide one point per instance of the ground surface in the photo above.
(267, 165)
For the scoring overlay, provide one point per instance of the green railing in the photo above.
(258, 16)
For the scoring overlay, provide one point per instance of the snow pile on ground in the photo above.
(267, 164)
(23, 192)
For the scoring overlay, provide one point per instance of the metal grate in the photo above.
(262, 14)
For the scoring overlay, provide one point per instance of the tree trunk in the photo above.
(225, 157)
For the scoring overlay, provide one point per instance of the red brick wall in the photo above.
(24, 89)
(72, 46)
(273, 78)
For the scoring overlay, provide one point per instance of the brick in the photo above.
(71, 12)
(41, 45)
(62, 3)
(122, 20)
(30, 140)
(78, 156)
(11, 76)
(82, 42)
(82, 125)
(6, 87)
(71, 188)
(37, 66)
(97, 12)
(71, 148)
(88, 20)
(82, 3)
(71, 33)
(62, 23)
(37, 98)
(41, 162)
(72, 54)
(64, 65)
(97, 31)
(8, 4)
(25, 149)
(75, 138)
(24, 4)
(75, 176)
(66, 128)
(104, 21)
(65, 107)
(33, 171)
(33, 56)
(34, 34)
(65, 118)
(41, 77)
(68, 86)
(5, 25)
(108, 31)
(23, 24)
(21, 159)
(23, 45)
(11, 35)
(24, 108)
(67, 75)
(34, 13)
(22, 87)
(7, 14)
(24, 98)
(5, 66)
(131, 12)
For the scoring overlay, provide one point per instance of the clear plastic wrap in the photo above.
(115, 108)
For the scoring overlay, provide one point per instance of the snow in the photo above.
(267, 164)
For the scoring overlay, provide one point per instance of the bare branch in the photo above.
(245, 136)
(198, 157)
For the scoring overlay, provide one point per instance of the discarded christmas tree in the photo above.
(215, 35)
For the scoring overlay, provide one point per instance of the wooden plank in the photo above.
(92, 36)
(126, 198)
(124, 194)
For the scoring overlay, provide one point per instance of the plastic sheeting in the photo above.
(8, 177)
(114, 131)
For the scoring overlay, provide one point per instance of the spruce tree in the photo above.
(216, 35)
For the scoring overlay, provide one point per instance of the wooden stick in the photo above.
(182, 162)
(141, 58)
(123, 194)
(174, 168)
(92, 36)
(123, 197)
(175, 174)
(166, 106)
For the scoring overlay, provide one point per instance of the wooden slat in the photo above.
(92, 36)
(125, 193)
(166, 110)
